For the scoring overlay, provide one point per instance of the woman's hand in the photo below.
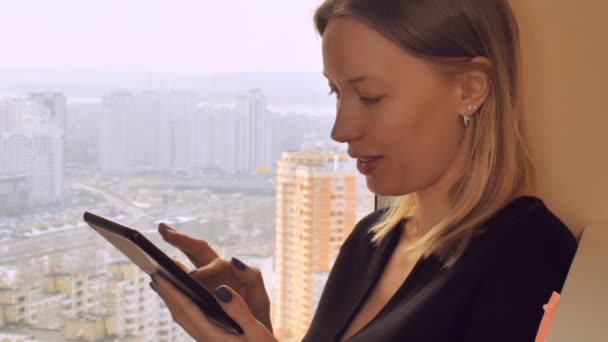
(213, 272)
(196, 324)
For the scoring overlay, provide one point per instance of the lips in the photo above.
(368, 159)
(364, 156)
(367, 165)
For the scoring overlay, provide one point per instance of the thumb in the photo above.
(237, 309)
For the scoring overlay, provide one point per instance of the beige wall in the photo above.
(565, 53)
(565, 48)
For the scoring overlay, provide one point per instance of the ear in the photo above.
(474, 86)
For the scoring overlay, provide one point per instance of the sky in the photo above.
(198, 36)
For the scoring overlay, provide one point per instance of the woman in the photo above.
(428, 101)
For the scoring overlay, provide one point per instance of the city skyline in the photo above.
(234, 211)
(156, 112)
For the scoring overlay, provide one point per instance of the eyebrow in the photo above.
(355, 80)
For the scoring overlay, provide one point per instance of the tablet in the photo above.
(151, 259)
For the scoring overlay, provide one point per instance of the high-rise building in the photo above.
(56, 105)
(315, 211)
(154, 131)
(38, 156)
(215, 139)
(257, 142)
(11, 114)
(180, 109)
(14, 193)
(144, 144)
(31, 145)
(117, 112)
(130, 132)
(148, 131)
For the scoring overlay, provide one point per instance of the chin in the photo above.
(383, 187)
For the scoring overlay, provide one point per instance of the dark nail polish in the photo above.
(239, 264)
(166, 228)
(223, 294)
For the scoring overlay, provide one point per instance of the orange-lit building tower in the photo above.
(315, 211)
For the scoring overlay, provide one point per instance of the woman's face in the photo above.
(399, 116)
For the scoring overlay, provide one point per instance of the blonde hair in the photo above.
(499, 167)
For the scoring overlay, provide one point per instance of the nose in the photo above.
(347, 127)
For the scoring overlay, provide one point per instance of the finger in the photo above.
(163, 228)
(187, 314)
(181, 264)
(168, 296)
(250, 276)
(177, 311)
(236, 308)
(198, 251)
(210, 271)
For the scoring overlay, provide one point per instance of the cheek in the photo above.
(433, 116)
(425, 141)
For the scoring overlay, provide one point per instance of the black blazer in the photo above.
(495, 292)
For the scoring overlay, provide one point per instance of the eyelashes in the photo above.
(370, 100)
(365, 100)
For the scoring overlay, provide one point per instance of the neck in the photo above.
(429, 211)
(432, 203)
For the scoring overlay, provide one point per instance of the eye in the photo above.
(370, 100)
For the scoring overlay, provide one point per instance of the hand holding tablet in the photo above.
(213, 271)
(152, 260)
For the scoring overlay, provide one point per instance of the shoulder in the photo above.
(530, 224)
(531, 239)
(523, 256)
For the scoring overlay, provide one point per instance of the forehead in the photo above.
(350, 47)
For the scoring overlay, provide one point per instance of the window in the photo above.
(181, 124)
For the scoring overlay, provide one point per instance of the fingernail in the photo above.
(239, 264)
(166, 228)
(152, 286)
(223, 294)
